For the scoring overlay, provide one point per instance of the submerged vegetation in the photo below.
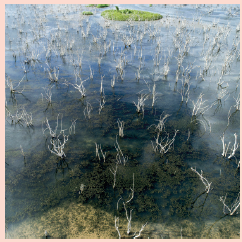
(127, 14)
(134, 123)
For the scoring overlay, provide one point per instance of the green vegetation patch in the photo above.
(127, 14)
(102, 5)
(98, 5)
(91, 5)
(87, 13)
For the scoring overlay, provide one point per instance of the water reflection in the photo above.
(111, 116)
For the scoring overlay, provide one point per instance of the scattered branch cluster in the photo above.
(234, 206)
(98, 147)
(141, 102)
(128, 216)
(226, 147)
(162, 142)
(20, 117)
(203, 179)
(58, 141)
(121, 128)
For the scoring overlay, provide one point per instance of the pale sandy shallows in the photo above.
(78, 221)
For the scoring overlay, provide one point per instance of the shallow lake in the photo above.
(122, 129)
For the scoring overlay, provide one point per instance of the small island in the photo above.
(87, 13)
(98, 5)
(127, 14)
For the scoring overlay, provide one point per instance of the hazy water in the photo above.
(165, 189)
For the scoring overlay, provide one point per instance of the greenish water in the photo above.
(158, 187)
